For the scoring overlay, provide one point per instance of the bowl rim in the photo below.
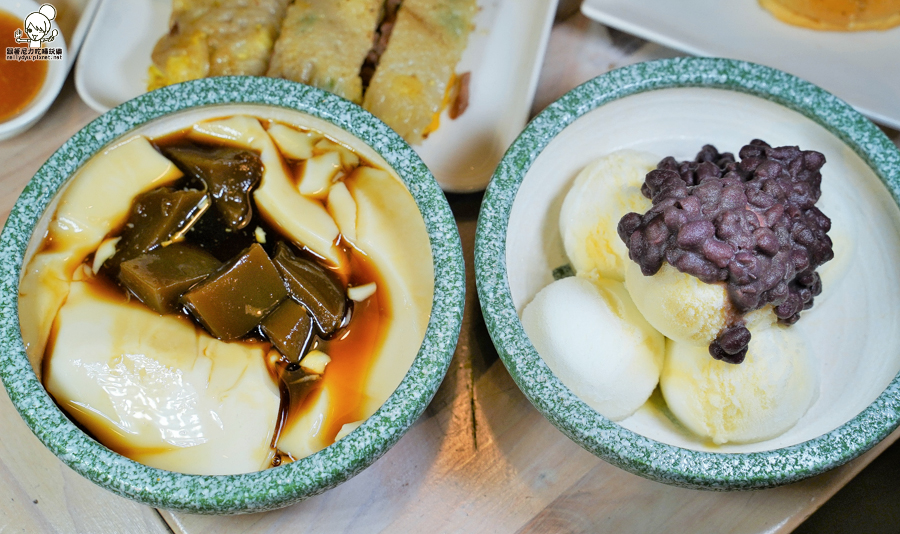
(271, 488)
(597, 434)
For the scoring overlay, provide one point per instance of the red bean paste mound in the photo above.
(751, 224)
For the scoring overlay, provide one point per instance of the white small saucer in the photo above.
(56, 74)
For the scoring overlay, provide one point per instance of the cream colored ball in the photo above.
(597, 343)
(741, 403)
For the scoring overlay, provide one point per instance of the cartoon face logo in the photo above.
(37, 27)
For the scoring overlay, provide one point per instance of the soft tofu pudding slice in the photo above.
(157, 389)
(96, 201)
(398, 256)
(125, 346)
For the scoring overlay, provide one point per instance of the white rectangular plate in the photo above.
(504, 55)
(862, 68)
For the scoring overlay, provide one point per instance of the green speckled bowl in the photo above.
(673, 107)
(273, 488)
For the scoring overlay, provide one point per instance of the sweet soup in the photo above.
(228, 297)
(20, 81)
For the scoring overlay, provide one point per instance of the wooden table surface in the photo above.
(481, 458)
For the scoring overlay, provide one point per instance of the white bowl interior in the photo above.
(851, 328)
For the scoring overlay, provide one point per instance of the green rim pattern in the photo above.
(273, 488)
(604, 438)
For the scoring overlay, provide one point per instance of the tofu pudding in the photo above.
(224, 294)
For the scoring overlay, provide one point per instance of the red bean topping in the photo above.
(752, 224)
(731, 345)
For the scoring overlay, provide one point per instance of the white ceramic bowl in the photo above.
(674, 107)
(56, 74)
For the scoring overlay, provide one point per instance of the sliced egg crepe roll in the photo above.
(410, 83)
(216, 38)
(324, 43)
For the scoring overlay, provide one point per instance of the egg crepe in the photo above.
(216, 38)
(411, 82)
(324, 43)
